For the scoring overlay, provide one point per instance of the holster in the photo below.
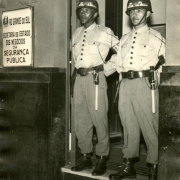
(72, 81)
(96, 77)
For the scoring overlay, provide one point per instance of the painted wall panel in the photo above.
(101, 19)
(173, 29)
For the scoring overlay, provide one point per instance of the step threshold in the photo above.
(87, 174)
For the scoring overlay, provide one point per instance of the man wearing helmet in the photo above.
(90, 46)
(139, 50)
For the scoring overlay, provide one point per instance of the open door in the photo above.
(114, 21)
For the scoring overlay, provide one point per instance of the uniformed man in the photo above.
(90, 45)
(137, 62)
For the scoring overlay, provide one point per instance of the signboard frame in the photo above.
(18, 61)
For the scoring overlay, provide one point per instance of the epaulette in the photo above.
(77, 30)
(125, 36)
(155, 33)
(102, 28)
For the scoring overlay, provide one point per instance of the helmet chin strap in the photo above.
(142, 19)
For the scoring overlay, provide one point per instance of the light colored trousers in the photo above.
(135, 109)
(86, 116)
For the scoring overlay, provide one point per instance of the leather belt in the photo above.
(86, 71)
(135, 74)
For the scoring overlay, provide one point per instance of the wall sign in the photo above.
(17, 37)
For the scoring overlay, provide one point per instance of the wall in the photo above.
(32, 127)
(157, 17)
(173, 29)
(169, 90)
(51, 32)
(35, 99)
(101, 19)
(169, 124)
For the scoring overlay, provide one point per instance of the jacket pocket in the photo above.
(94, 47)
(143, 50)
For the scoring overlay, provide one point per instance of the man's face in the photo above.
(87, 16)
(139, 17)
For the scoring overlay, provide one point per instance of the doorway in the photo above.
(113, 20)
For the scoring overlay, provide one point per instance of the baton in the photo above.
(96, 81)
(96, 97)
(152, 81)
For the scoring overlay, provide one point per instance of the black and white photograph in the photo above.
(90, 90)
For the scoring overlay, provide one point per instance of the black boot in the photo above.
(84, 163)
(127, 170)
(100, 167)
(153, 172)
